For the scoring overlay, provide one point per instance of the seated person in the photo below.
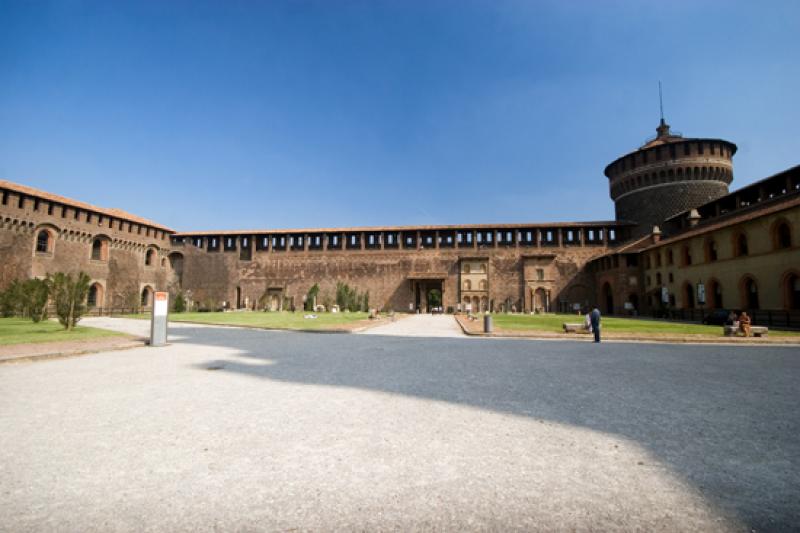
(744, 324)
(731, 319)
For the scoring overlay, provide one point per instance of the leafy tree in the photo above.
(69, 296)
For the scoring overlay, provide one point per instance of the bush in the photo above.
(311, 297)
(12, 301)
(179, 305)
(25, 298)
(69, 296)
(349, 299)
(36, 293)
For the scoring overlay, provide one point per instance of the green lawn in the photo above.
(272, 320)
(22, 330)
(611, 325)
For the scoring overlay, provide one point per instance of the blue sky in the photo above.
(233, 115)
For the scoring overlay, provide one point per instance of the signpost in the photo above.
(158, 323)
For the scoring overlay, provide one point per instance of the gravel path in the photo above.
(422, 325)
(235, 429)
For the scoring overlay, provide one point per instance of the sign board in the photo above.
(628, 306)
(665, 295)
(158, 323)
(701, 294)
(576, 307)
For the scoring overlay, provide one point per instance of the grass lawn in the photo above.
(613, 325)
(276, 320)
(22, 330)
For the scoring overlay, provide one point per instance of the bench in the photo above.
(574, 328)
(757, 331)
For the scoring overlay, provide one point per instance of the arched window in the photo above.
(749, 289)
(467, 285)
(100, 249)
(466, 268)
(149, 256)
(740, 244)
(482, 285)
(43, 242)
(658, 278)
(711, 251)
(782, 235)
(147, 296)
(687, 256)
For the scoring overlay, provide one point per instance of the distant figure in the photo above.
(731, 320)
(595, 320)
(587, 321)
(744, 323)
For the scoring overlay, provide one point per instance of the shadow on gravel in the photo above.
(725, 419)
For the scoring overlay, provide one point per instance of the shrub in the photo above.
(12, 300)
(25, 298)
(69, 296)
(311, 298)
(179, 305)
(35, 293)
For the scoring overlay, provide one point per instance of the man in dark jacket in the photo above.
(595, 318)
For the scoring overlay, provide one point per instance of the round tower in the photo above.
(668, 175)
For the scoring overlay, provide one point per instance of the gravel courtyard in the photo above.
(242, 430)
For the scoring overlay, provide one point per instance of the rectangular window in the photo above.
(700, 148)
(63, 211)
(5, 197)
(686, 149)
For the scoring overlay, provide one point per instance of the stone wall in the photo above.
(211, 278)
(121, 273)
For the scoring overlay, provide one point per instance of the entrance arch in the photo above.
(540, 303)
(791, 291)
(688, 295)
(147, 296)
(95, 296)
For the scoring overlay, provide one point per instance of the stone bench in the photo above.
(757, 331)
(574, 328)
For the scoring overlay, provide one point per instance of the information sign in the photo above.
(158, 323)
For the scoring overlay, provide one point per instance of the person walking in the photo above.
(595, 319)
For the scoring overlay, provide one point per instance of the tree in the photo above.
(69, 296)
(179, 305)
(35, 293)
(311, 297)
(25, 298)
(12, 301)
